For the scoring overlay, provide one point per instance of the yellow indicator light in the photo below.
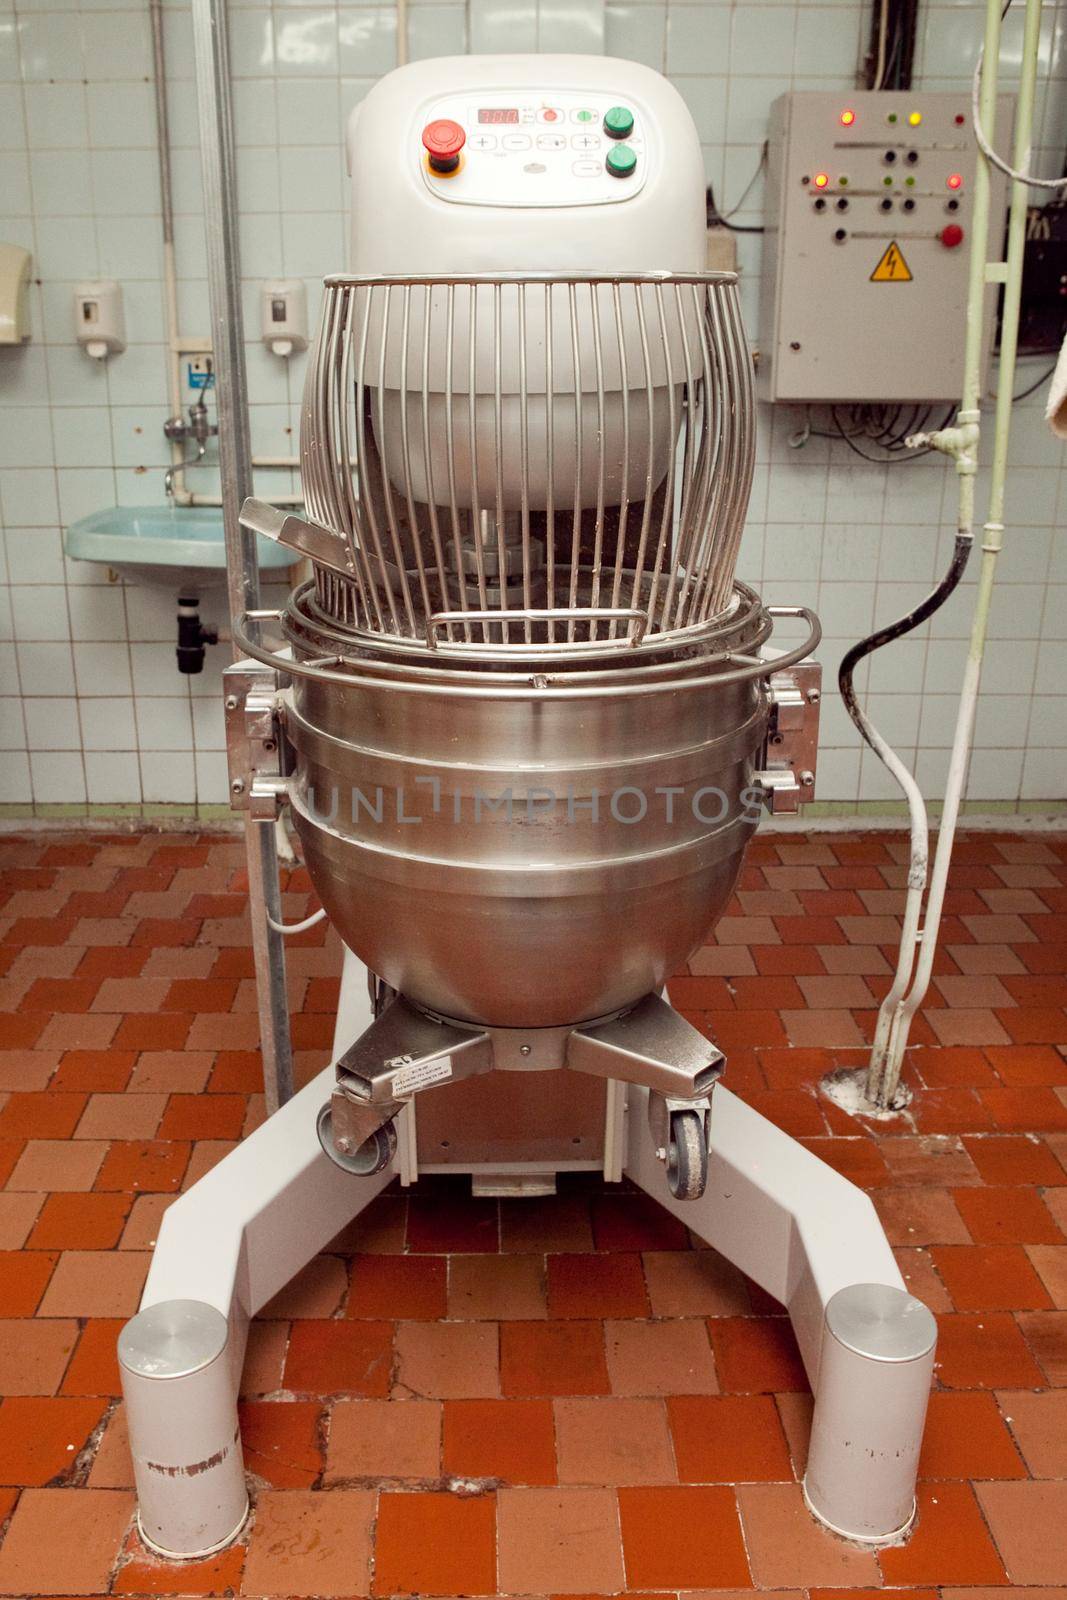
(821, 179)
(847, 118)
(915, 117)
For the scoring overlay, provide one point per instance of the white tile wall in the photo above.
(92, 708)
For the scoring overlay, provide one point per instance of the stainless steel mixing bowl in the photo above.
(519, 848)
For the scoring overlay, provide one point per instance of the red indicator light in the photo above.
(847, 118)
(959, 119)
(821, 179)
(954, 180)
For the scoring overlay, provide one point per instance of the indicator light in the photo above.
(842, 183)
(887, 180)
(847, 118)
(909, 183)
(959, 119)
(892, 117)
(821, 179)
(954, 180)
(915, 117)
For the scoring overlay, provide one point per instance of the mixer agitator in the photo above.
(525, 719)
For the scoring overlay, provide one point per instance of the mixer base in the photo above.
(806, 1235)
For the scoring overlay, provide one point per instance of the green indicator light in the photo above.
(892, 117)
(887, 180)
(620, 161)
(619, 122)
(842, 183)
(909, 183)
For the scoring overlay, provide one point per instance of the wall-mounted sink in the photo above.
(172, 547)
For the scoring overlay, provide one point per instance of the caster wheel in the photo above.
(687, 1156)
(373, 1155)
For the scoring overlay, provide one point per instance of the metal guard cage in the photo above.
(551, 460)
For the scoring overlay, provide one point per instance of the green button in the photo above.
(621, 160)
(619, 122)
(585, 116)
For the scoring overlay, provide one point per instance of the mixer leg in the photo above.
(225, 1248)
(813, 1240)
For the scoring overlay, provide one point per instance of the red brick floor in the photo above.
(624, 1412)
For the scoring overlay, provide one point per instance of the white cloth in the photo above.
(1056, 409)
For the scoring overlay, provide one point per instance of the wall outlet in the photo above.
(200, 372)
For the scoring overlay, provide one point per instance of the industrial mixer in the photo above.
(525, 720)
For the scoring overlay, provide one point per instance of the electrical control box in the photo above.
(867, 245)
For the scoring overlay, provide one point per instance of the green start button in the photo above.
(621, 160)
(619, 122)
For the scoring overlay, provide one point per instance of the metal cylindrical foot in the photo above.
(181, 1407)
(874, 1382)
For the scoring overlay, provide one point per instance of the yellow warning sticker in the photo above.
(892, 268)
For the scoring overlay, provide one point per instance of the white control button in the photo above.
(551, 141)
(516, 141)
(585, 141)
(482, 141)
(587, 168)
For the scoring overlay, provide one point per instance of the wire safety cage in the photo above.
(522, 462)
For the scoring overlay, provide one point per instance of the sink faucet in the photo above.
(198, 429)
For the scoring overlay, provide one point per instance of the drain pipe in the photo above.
(881, 1088)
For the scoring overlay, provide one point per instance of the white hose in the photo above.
(987, 149)
(296, 927)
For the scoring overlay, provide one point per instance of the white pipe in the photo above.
(982, 274)
(170, 277)
(186, 497)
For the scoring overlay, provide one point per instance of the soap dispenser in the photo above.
(99, 318)
(14, 294)
(284, 315)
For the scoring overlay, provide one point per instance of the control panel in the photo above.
(565, 147)
(866, 248)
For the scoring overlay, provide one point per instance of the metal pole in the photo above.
(211, 42)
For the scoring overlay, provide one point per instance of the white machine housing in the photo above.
(531, 194)
(528, 208)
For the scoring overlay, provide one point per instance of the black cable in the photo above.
(896, 630)
(717, 218)
(1045, 376)
(889, 461)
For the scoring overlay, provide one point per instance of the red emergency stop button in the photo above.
(443, 140)
(951, 236)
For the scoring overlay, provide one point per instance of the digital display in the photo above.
(498, 114)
